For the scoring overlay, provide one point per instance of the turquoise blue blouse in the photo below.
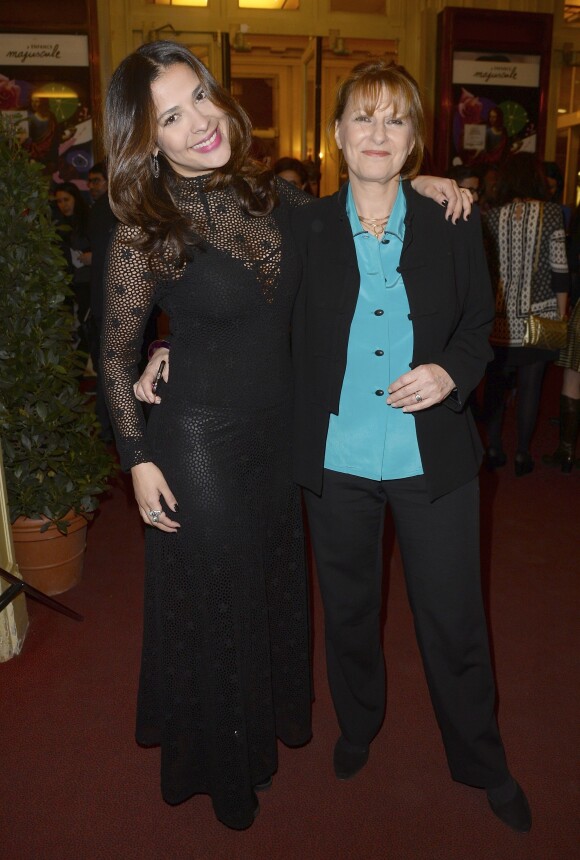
(368, 438)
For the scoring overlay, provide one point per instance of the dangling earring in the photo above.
(155, 167)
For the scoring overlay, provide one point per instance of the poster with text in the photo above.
(45, 92)
(496, 100)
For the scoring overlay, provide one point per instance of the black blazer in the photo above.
(445, 275)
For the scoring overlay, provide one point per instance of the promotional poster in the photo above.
(45, 91)
(496, 106)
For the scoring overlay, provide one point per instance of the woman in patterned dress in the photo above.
(527, 259)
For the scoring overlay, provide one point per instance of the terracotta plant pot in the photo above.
(50, 561)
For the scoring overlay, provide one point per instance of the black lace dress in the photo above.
(225, 664)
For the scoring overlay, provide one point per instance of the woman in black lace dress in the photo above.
(205, 235)
(225, 666)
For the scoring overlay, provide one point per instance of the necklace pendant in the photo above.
(376, 226)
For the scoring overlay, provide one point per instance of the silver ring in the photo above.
(154, 516)
(418, 397)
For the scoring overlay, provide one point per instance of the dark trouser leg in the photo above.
(569, 426)
(565, 453)
(495, 389)
(439, 544)
(530, 378)
(346, 526)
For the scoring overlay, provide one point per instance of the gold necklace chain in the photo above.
(376, 226)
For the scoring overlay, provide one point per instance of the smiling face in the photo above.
(375, 144)
(192, 132)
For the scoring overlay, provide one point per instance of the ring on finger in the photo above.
(154, 516)
(418, 397)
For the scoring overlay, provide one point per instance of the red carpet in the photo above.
(75, 786)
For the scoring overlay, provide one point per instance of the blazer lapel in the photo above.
(409, 217)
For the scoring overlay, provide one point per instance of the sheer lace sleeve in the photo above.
(290, 195)
(130, 293)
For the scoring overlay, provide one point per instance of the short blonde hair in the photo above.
(364, 85)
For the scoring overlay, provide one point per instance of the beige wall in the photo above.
(125, 24)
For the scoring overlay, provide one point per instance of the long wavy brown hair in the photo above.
(140, 200)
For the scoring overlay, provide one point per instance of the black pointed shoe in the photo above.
(514, 812)
(348, 759)
(494, 459)
(264, 785)
(523, 464)
(241, 823)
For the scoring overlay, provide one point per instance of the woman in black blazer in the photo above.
(390, 336)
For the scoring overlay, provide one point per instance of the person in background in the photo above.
(72, 225)
(43, 140)
(313, 171)
(564, 456)
(206, 232)
(467, 176)
(527, 258)
(97, 181)
(390, 336)
(488, 188)
(293, 171)
(555, 190)
(496, 139)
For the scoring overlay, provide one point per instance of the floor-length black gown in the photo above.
(225, 664)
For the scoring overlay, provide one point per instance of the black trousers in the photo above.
(527, 366)
(439, 543)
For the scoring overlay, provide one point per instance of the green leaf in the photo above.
(53, 462)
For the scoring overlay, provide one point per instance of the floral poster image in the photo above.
(45, 91)
(496, 105)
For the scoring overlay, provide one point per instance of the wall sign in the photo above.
(42, 49)
(496, 105)
(492, 85)
(45, 91)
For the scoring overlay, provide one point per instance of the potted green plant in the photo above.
(56, 466)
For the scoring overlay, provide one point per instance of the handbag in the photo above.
(540, 331)
(545, 333)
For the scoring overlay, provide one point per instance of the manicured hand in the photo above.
(457, 201)
(420, 388)
(143, 388)
(149, 485)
